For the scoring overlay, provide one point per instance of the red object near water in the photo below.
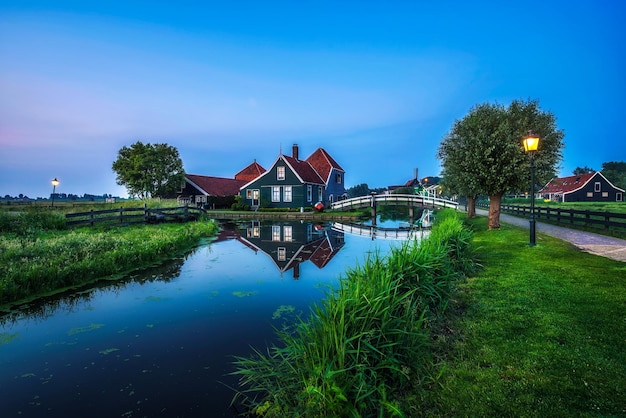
(319, 206)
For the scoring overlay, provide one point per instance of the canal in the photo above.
(160, 342)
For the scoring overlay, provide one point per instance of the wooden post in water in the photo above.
(373, 206)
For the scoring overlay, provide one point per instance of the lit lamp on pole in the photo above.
(55, 183)
(531, 143)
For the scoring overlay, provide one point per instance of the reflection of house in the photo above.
(289, 244)
(217, 191)
(295, 183)
(590, 187)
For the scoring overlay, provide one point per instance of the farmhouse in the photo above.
(295, 183)
(591, 187)
(216, 192)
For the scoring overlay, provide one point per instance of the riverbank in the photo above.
(292, 216)
(39, 256)
(538, 331)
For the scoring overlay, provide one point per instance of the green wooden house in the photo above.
(289, 183)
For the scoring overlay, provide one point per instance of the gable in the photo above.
(251, 172)
(323, 163)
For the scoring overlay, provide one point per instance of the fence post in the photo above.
(121, 214)
(587, 218)
(91, 218)
(146, 213)
(607, 220)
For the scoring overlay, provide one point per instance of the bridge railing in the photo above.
(394, 199)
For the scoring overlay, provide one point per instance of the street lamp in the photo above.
(531, 143)
(55, 183)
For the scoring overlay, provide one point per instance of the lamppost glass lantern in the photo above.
(55, 183)
(531, 144)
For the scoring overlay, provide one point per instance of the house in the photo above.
(295, 183)
(217, 192)
(590, 187)
(289, 244)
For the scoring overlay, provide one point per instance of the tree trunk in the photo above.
(494, 211)
(471, 207)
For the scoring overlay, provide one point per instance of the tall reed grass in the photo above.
(367, 342)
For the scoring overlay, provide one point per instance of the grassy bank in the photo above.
(366, 345)
(39, 256)
(538, 332)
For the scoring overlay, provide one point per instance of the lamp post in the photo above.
(531, 143)
(55, 183)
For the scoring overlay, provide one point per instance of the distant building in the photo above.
(591, 187)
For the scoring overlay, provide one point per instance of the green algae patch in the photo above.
(240, 294)
(90, 327)
(282, 310)
(6, 338)
(108, 351)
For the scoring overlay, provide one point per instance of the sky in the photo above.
(377, 84)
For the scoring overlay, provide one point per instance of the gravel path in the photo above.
(590, 242)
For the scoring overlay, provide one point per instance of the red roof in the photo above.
(323, 163)
(251, 172)
(567, 184)
(304, 170)
(215, 186)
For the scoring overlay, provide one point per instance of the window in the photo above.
(287, 233)
(309, 193)
(275, 232)
(589, 194)
(249, 193)
(605, 194)
(597, 187)
(280, 173)
(338, 178)
(275, 193)
(319, 193)
(619, 197)
(287, 194)
(330, 198)
(282, 254)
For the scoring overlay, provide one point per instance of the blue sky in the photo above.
(377, 84)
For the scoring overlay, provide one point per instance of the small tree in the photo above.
(148, 170)
(583, 170)
(483, 152)
(615, 172)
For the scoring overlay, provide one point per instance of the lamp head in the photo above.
(55, 182)
(531, 142)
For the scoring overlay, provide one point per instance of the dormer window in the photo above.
(280, 173)
(338, 178)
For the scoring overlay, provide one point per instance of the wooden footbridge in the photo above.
(411, 200)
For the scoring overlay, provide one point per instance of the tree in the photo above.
(483, 153)
(148, 170)
(615, 172)
(358, 190)
(583, 170)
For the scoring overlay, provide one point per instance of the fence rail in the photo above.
(565, 217)
(126, 216)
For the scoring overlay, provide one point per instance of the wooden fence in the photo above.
(565, 217)
(126, 216)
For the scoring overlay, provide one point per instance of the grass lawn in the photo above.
(539, 332)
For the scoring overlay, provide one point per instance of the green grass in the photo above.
(367, 343)
(540, 332)
(37, 258)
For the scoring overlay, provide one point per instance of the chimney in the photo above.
(294, 151)
(416, 171)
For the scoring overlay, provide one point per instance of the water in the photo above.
(160, 342)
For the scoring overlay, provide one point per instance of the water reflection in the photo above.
(160, 342)
(290, 243)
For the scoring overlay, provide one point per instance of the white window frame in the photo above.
(282, 254)
(280, 172)
(275, 193)
(619, 197)
(338, 178)
(275, 232)
(248, 193)
(309, 193)
(320, 194)
(597, 186)
(287, 194)
(287, 233)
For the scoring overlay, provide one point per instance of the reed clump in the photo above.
(367, 343)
